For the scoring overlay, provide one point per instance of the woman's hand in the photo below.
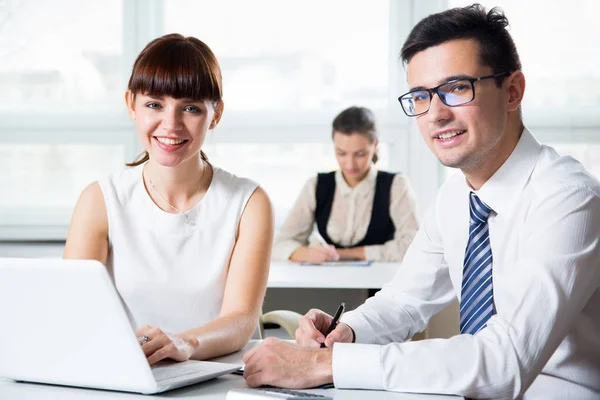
(315, 254)
(159, 345)
(352, 253)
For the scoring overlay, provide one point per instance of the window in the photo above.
(42, 181)
(32, 163)
(63, 122)
(62, 79)
(328, 55)
(290, 76)
(560, 57)
(56, 61)
(287, 72)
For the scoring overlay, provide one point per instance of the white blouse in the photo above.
(171, 269)
(350, 217)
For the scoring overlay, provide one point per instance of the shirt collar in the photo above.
(364, 186)
(501, 191)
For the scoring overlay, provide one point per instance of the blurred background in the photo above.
(288, 69)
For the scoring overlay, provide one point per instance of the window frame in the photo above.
(408, 152)
(142, 24)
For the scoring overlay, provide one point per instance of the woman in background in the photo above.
(187, 243)
(362, 213)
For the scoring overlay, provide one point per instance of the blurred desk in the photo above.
(215, 389)
(292, 275)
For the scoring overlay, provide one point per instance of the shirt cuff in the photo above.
(373, 253)
(282, 251)
(357, 366)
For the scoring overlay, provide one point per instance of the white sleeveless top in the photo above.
(171, 269)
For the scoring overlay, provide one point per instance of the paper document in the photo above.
(340, 263)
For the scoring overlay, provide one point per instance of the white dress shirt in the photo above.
(350, 217)
(543, 342)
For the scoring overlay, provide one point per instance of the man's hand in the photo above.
(279, 363)
(312, 328)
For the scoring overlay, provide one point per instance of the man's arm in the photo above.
(420, 289)
(546, 290)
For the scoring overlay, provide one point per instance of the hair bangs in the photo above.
(176, 69)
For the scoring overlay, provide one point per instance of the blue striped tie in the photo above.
(477, 297)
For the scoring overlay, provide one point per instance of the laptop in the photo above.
(63, 322)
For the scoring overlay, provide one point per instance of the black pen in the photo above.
(335, 320)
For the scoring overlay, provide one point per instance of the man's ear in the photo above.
(219, 108)
(130, 103)
(516, 90)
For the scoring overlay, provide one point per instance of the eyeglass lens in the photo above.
(452, 93)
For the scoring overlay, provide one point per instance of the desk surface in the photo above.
(211, 390)
(291, 275)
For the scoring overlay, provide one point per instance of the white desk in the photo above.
(291, 275)
(215, 389)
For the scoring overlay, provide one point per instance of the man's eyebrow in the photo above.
(417, 88)
(455, 78)
(441, 82)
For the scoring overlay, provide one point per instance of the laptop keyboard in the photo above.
(178, 369)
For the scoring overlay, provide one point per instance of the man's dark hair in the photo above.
(496, 47)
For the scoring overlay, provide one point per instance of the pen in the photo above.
(335, 320)
(320, 238)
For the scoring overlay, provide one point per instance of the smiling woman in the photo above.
(162, 69)
(191, 267)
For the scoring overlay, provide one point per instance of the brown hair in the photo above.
(356, 120)
(176, 66)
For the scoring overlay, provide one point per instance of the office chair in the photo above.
(288, 320)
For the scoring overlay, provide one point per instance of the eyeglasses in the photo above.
(452, 94)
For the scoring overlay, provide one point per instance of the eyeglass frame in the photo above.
(434, 90)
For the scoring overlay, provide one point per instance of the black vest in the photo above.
(381, 227)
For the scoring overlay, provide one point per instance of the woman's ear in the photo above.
(219, 108)
(130, 103)
(516, 90)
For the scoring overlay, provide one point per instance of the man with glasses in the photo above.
(515, 238)
(457, 91)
